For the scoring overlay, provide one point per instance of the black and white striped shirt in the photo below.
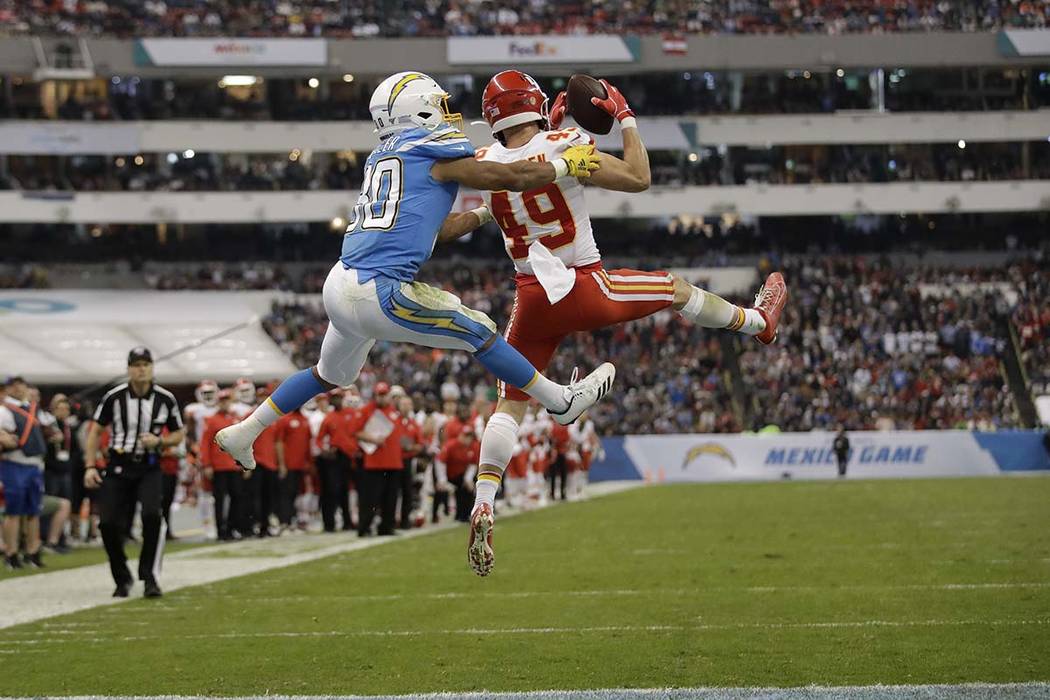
(128, 415)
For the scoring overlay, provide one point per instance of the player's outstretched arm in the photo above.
(632, 173)
(458, 225)
(522, 175)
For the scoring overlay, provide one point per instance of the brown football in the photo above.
(578, 94)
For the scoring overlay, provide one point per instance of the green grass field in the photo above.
(781, 584)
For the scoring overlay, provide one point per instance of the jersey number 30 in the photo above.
(376, 208)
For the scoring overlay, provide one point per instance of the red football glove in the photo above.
(615, 104)
(557, 113)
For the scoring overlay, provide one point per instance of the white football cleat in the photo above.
(237, 442)
(585, 393)
(479, 549)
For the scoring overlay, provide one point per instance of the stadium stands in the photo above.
(708, 167)
(395, 19)
(868, 346)
(661, 93)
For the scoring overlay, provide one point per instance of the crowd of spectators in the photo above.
(863, 344)
(27, 276)
(387, 18)
(866, 345)
(218, 276)
(176, 172)
(709, 167)
(653, 94)
(1031, 319)
(853, 164)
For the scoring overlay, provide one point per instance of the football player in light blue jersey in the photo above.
(410, 183)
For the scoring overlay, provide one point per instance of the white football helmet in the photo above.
(207, 393)
(244, 391)
(409, 100)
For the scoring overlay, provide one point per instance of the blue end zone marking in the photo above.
(1016, 450)
(617, 465)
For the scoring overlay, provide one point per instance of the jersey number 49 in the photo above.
(545, 206)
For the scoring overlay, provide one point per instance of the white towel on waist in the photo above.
(556, 279)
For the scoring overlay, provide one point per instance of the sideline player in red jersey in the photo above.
(562, 287)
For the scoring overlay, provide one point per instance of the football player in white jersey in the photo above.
(562, 287)
(198, 412)
(244, 400)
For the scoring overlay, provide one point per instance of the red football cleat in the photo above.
(479, 550)
(770, 302)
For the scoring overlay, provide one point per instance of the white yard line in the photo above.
(40, 596)
(963, 691)
(98, 636)
(246, 594)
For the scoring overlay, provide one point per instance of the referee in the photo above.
(136, 412)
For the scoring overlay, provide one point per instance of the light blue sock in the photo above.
(296, 390)
(511, 366)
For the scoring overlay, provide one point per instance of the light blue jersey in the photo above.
(401, 208)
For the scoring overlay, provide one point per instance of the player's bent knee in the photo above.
(499, 441)
(330, 378)
(514, 409)
(487, 343)
(316, 369)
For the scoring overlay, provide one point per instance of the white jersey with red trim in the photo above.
(555, 214)
(198, 414)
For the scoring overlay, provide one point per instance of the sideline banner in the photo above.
(1024, 42)
(517, 50)
(230, 52)
(701, 458)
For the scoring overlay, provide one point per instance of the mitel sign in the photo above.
(231, 52)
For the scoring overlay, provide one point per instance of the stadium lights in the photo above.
(173, 158)
(840, 73)
(120, 162)
(962, 143)
(189, 153)
(693, 157)
(348, 78)
(139, 160)
(239, 80)
(314, 83)
(294, 155)
(338, 224)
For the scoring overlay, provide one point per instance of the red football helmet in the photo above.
(513, 98)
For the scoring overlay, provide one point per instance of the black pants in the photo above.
(842, 460)
(168, 484)
(463, 498)
(289, 489)
(228, 489)
(378, 491)
(117, 491)
(408, 493)
(560, 468)
(59, 484)
(334, 474)
(263, 495)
